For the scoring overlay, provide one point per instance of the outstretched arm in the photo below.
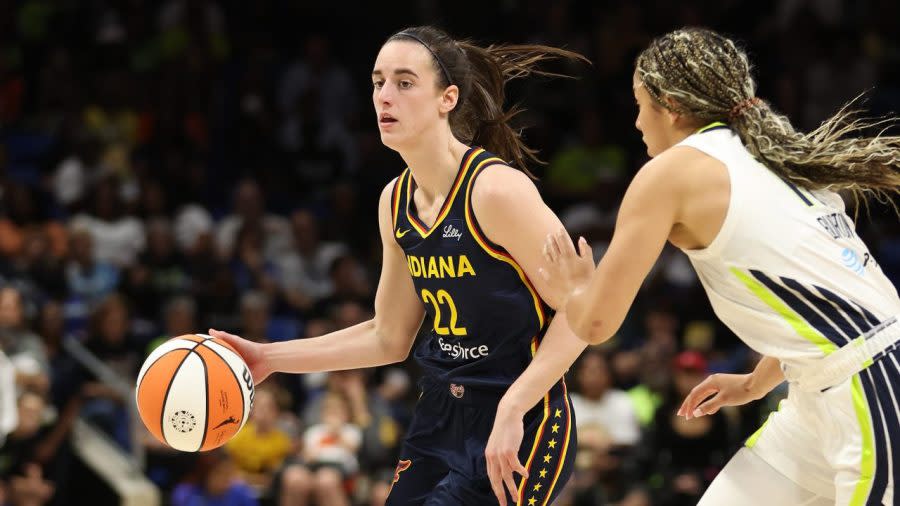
(654, 203)
(384, 339)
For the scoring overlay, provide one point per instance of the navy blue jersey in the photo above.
(486, 317)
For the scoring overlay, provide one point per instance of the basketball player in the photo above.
(462, 234)
(751, 202)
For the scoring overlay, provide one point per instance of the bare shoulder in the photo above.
(388, 190)
(385, 214)
(500, 185)
(679, 169)
(384, 201)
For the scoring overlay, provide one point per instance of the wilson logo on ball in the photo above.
(248, 381)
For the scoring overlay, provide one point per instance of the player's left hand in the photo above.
(502, 454)
(716, 392)
(566, 271)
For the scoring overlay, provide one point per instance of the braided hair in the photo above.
(701, 74)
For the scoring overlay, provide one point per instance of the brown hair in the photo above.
(700, 73)
(481, 74)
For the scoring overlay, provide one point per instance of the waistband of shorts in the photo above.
(850, 359)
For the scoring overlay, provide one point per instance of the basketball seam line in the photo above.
(244, 414)
(206, 391)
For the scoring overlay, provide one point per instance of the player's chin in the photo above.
(392, 140)
(388, 138)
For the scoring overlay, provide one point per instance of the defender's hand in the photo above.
(566, 271)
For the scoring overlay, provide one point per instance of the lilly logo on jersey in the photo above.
(455, 350)
(451, 232)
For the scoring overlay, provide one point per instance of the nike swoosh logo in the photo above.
(400, 234)
(226, 422)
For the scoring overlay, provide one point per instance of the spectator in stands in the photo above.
(110, 340)
(38, 448)
(117, 238)
(391, 415)
(9, 413)
(255, 315)
(304, 269)
(211, 282)
(90, 280)
(23, 347)
(687, 453)
(159, 273)
(38, 268)
(250, 268)
(214, 481)
(598, 405)
(250, 210)
(608, 431)
(179, 318)
(260, 448)
(329, 449)
(350, 287)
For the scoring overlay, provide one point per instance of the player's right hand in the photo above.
(251, 352)
(715, 392)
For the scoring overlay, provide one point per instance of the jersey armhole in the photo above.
(395, 199)
(723, 236)
(475, 229)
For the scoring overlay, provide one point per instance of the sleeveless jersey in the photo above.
(486, 318)
(787, 272)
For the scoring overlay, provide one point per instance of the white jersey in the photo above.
(787, 272)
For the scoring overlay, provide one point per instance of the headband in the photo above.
(433, 54)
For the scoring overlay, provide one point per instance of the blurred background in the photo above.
(167, 166)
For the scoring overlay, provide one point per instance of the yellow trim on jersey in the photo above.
(565, 448)
(537, 436)
(398, 187)
(714, 124)
(496, 254)
(751, 441)
(448, 202)
(867, 459)
(793, 319)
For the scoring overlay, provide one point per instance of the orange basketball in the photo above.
(194, 392)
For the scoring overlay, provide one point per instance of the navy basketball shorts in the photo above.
(442, 460)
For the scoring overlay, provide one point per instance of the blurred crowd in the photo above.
(166, 167)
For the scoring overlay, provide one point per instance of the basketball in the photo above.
(194, 392)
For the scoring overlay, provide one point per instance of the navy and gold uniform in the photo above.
(487, 321)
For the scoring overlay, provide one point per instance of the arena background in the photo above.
(170, 166)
